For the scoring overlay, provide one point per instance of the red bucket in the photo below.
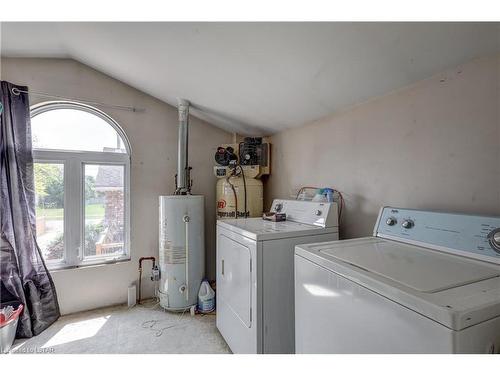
(8, 327)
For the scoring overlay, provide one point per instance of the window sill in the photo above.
(56, 269)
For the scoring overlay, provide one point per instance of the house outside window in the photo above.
(82, 185)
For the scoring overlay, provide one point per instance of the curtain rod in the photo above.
(17, 91)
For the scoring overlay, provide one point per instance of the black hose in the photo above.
(244, 189)
(235, 195)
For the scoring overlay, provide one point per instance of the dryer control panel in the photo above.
(322, 214)
(469, 235)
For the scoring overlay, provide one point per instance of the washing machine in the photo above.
(255, 297)
(425, 282)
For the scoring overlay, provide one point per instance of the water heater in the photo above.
(182, 237)
(182, 250)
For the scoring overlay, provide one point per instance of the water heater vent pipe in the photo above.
(183, 176)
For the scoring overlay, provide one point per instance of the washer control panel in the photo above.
(322, 214)
(476, 236)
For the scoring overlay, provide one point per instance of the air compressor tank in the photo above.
(182, 250)
(226, 201)
(239, 167)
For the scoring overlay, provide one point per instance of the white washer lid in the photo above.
(419, 269)
(259, 229)
(460, 294)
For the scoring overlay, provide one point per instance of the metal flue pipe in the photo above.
(183, 179)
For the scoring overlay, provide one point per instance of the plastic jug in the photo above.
(328, 192)
(320, 196)
(206, 298)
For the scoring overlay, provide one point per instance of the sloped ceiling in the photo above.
(259, 78)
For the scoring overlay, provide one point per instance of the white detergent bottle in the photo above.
(206, 298)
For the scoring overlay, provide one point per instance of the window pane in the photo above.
(76, 130)
(49, 198)
(104, 210)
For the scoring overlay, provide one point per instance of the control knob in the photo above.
(278, 207)
(407, 224)
(391, 221)
(494, 239)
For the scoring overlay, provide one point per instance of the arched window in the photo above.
(82, 179)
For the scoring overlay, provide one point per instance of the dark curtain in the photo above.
(24, 276)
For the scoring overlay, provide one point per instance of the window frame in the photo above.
(74, 188)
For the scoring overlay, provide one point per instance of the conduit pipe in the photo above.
(140, 273)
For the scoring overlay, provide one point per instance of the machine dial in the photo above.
(278, 207)
(391, 221)
(407, 224)
(494, 239)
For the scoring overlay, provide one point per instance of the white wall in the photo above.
(153, 137)
(432, 145)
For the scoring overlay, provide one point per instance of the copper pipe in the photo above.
(140, 274)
